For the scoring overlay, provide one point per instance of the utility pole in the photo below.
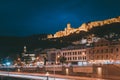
(54, 71)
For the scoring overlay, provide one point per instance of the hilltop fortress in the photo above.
(67, 31)
(84, 27)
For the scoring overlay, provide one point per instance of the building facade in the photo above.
(105, 52)
(27, 57)
(102, 52)
(52, 55)
(74, 56)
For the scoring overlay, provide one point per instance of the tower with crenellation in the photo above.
(68, 30)
(68, 26)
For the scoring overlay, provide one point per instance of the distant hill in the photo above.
(11, 46)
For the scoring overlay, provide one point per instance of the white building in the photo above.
(74, 56)
(27, 56)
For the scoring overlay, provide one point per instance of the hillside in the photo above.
(11, 46)
(14, 45)
(84, 27)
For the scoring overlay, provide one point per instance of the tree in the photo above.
(45, 60)
(62, 59)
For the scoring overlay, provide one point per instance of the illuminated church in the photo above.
(27, 57)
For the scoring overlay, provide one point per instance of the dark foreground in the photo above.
(11, 78)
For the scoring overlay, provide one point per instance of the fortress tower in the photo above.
(68, 26)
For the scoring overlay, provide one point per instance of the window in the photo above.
(93, 51)
(67, 58)
(79, 58)
(102, 51)
(106, 44)
(85, 52)
(63, 54)
(85, 57)
(101, 44)
(68, 53)
(111, 50)
(75, 53)
(79, 52)
(89, 52)
(106, 56)
(101, 56)
(97, 57)
(97, 45)
(75, 58)
(106, 50)
(97, 51)
(117, 49)
(117, 56)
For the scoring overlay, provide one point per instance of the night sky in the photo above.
(28, 17)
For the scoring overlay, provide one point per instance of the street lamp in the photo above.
(67, 71)
(54, 71)
(18, 59)
(19, 62)
(83, 54)
(57, 59)
(99, 71)
(37, 58)
(8, 64)
(47, 74)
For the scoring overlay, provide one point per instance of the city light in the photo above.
(47, 74)
(60, 39)
(8, 63)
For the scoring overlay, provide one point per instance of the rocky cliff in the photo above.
(84, 27)
(90, 25)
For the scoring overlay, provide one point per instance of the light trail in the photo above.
(28, 76)
(43, 76)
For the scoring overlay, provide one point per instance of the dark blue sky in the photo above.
(27, 17)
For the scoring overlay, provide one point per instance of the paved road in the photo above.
(37, 76)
